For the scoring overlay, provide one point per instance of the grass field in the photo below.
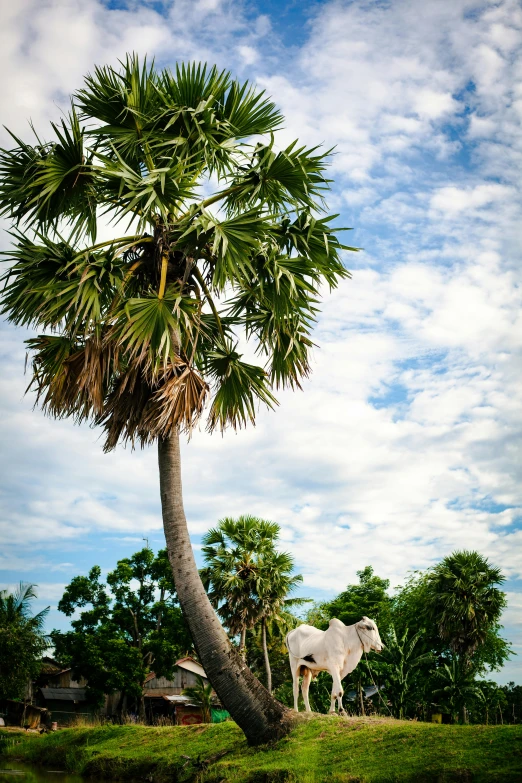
(322, 748)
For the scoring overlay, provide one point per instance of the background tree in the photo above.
(232, 578)
(22, 641)
(455, 685)
(124, 627)
(369, 597)
(248, 580)
(402, 662)
(464, 601)
(276, 583)
(140, 330)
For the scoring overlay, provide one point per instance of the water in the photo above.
(14, 772)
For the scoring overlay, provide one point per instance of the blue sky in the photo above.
(404, 443)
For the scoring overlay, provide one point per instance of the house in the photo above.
(164, 698)
(61, 694)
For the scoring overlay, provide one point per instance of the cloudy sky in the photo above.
(404, 444)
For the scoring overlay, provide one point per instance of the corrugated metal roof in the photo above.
(64, 694)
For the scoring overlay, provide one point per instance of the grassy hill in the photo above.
(321, 748)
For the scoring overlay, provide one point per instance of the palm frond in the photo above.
(239, 388)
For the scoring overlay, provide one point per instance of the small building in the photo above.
(164, 698)
(65, 705)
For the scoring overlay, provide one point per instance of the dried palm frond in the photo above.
(70, 378)
(139, 409)
(178, 403)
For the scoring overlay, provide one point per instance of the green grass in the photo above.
(322, 748)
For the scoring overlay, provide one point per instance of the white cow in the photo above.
(337, 650)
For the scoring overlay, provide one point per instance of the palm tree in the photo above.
(139, 332)
(201, 694)
(276, 583)
(457, 686)
(463, 600)
(248, 581)
(232, 553)
(22, 640)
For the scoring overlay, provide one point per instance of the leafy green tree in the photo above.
(201, 694)
(125, 627)
(369, 598)
(463, 600)
(139, 331)
(492, 700)
(22, 640)
(403, 662)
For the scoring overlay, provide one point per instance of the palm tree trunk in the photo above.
(267, 659)
(259, 715)
(242, 643)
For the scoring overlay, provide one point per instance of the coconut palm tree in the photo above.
(141, 332)
(464, 601)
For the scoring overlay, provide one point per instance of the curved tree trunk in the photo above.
(267, 659)
(259, 715)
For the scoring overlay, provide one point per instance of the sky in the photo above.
(404, 444)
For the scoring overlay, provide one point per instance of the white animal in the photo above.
(337, 650)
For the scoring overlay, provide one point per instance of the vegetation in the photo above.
(137, 333)
(433, 662)
(124, 628)
(320, 749)
(201, 694)
(249, 581)
(22, 641)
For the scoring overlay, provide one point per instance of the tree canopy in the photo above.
(125, 628)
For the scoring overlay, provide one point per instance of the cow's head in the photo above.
(369, 635)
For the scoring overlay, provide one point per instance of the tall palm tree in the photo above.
(232, 574)
(141, 331)
(464, 601)
(276, 583)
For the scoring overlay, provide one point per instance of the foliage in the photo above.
(201, 694)
(369, 598)
(125, 628)
(143, 330)
(456, 684)
(22, 640)
(323, 748)
(403, 663)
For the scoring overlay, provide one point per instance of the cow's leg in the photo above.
(295, 681)
(305, 686)
(337, 692)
